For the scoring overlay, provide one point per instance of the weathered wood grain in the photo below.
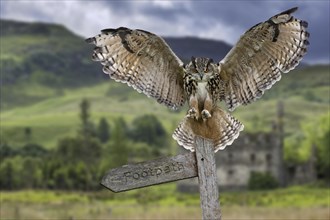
(208, 188)
(152, 172)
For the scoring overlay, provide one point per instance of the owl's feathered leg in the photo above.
(221, 128)
(193, 112)
(200, 108)
(207, 108)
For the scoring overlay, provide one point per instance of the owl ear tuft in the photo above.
(193, 60)
(289, 11)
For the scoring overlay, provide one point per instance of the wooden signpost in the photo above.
(199, 164)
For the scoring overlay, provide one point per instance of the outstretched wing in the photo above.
(260, 56)
(142, 60)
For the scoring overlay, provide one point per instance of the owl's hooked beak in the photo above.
(201, 75)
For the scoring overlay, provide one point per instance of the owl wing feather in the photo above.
(256, 62)
(143, 61)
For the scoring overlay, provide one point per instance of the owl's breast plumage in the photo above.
(201, 91)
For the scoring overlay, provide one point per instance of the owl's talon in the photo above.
(192, 113)
(206, 114)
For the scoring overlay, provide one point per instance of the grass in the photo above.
(299, 202)
(98, 210)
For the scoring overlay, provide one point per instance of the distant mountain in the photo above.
(10, 28)
(44, 53)
(186, 47)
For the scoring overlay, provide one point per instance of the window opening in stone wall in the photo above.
(268, 158)
(253, 158)
(230, 156)
(231, 173)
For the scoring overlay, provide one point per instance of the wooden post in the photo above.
(208, 188)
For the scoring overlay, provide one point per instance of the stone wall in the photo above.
(250, 152)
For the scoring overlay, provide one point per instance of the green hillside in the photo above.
(305, 97)
(45, 57)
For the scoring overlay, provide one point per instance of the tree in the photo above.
(31, 174)
(73, 150)
(123, 125)
(62, 179)
(68, 169)
(317, 133)
(294, 151)
(33, 150)
(84, 111)
(117, 150)
(81, 176)
(103, 130)
(87, 127)
(148, 129)
(28, 133)
(140, 151)
(52, 164)
(10, 170)
(260, 181)
(7, 174)
(298, 148)
(6, 151)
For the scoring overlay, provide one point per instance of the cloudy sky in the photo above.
(222, 20)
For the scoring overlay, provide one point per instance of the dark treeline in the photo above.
(79, 162)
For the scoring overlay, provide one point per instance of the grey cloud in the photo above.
(242, 15)
(318, 18)
(221, 20)
(171, 15)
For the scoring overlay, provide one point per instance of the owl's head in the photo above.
(200, 68)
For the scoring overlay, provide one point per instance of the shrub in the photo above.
(262, 181)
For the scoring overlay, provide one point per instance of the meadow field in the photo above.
(164, 202)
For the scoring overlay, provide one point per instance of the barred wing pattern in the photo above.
(142, 60)
(260, 56)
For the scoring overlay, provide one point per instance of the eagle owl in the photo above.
(145, 62)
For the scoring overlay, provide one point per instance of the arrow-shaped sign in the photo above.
(152, 172)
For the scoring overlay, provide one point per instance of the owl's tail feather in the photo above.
(221, 128)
